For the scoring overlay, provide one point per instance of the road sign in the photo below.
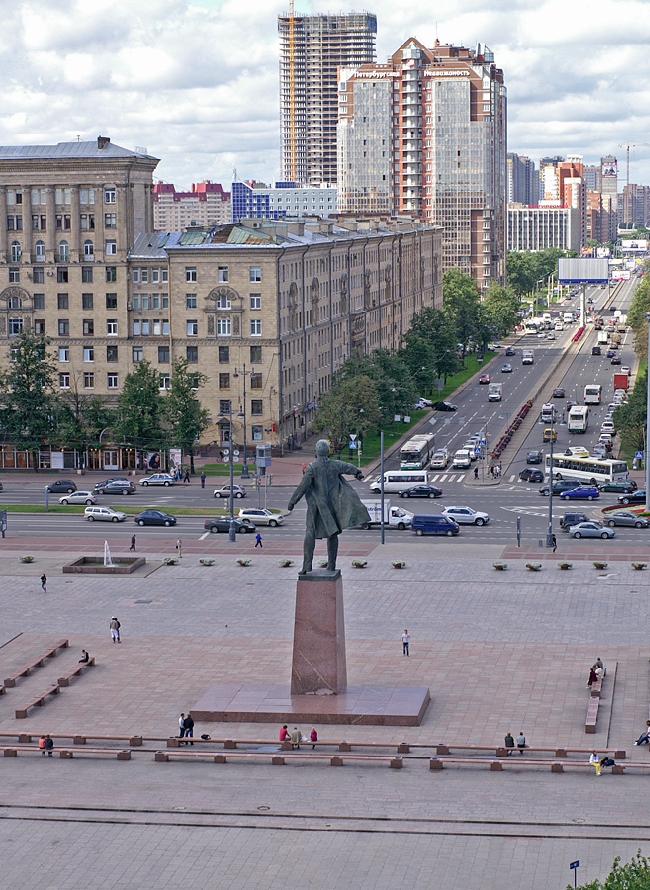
(575, 864)
(638, 455)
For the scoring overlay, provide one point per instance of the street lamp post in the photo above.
(223, 416)
(242, 414)
(647, 427)
(549, 533)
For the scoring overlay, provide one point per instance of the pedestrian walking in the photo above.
(41, 745)
(115, 629)
(313, 735)
(49, 744)
(203, 478)
(499, 469)
(554, 542)
(296, 738)
(509, 743)
(406, 639)
(476, 472)
(181, 728)
(258, 540)
(521, 741)
(186, 478)
(594, 760)
(189, 728)
(179, 547)
(44, 582)
(132, 547)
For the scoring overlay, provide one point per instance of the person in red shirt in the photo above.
(285, 735)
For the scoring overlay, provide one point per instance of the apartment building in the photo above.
(522, 179)
(259, 201)
(538, 228)
(205, 204)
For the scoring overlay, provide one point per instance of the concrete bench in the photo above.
(76, 671)
(592, 714)
(37, 701)
(276, 759)
(557, 766)
(27, 668)
(65, 753)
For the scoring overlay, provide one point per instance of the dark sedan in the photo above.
(622, 486)
(558, 393)
(444, 406)
(115, 486)
(506, 369)
(559, 486)
(65, 486)
(222, 524)
(421, 491)
(534, 457)
(615, 360)
(530, 475)
(633, 497)
(154, 517)
(510, 351)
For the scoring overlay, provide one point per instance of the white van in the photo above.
(398, 480)
(462, 459)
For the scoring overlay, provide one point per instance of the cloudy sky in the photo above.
(196, 81)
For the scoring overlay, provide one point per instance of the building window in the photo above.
(64, 327)
(190, 273)
(111, 248)
(86, 196)
(190, 301)
(223, 302)
(86, 274)
(110, 220)
(88, 327)
(64, 354)
(165, 327)
(111, 353)
(64, 252)
(223, 327)
(256, 302)
(112, 381)
(87, 301)
(14, 303)
(39, 301)
(144, 301)
(61, 274)
(15, 326)
(192, 327)
(111, 327)
(111, 301)
(64, 381)
(163, 275)
(14, 276)
(144, 275)
(192, 354)
(256, 432)
(224, 355)
(89, 353)
(224, 381)
(256, 354)
(256, 327)
(87, 221)
(15, 252)
(163, 381)
(135, 275)
(222, 274)
(39, 247)
(224, 406)
(61, 301)
(39, 327)
(89, 380)
(256, 381)
(89, 251)
(254, 273)
(111, 274)
(109, 196)
(155, 275)
(163, 355)
(38, 276)
(138, 354)
(256, 406)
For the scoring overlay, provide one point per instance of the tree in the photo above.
(81, 418)
(460, 300)
(395, 386)
(28, 401)
(634, 875)
(430, 348)
(183, 411)
(498, 312)
(524, 269)
(140, 409)
(630, 419)
(351, 406)
(639, 306)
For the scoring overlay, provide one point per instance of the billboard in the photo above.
(609, 170)
(582, 270)
(620, 275)
(636, 246)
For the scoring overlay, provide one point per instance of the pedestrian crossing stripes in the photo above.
(446, 477)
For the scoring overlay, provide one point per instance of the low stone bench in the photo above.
(592, 714)
(76, 671)
(65, 753)
(276, 759)
(37, 701)
(27, 668)
(557, 766)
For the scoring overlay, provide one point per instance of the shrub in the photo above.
(242, 561)
(27, 559)
(206, 561)
(284, 563)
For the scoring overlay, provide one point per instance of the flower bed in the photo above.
(206, 561)
(534, 566)
(506, 438)
(285, 563)
(242, 561)
(27, 559)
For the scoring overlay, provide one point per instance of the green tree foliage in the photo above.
(636, 317)
(634, 875)
(28, 402)
(430, 348)
(351, 406)
(81, 418)
(528, 267)
(630, 419)
(396, 388)
(182, 410)
(498, 311)
(460, 300)
(140, 409)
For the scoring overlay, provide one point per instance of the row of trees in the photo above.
(369, 390)
(525, 270)
(33, 412)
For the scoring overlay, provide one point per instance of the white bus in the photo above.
(592, 394)
(416, 453)
(586, 469)
(578, 419)
(398, 480)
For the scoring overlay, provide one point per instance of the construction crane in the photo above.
(292, 92)
(626, 146)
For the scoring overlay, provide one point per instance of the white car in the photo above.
(423, 403)
(103, 514)
(238, 491)
(607, 427)
(625, 369)
(559, 326)
(262, 516)
(466, 516)
(78, 497)
(550, 336)
(158, 479)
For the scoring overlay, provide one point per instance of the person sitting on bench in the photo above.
(85, 658)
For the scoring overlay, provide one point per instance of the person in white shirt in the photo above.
(406, 639)
(595, 761)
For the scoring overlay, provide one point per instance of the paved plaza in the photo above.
(499, 651)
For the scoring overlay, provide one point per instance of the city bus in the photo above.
(416, 453)
(587, 469)
(592, 394)
(578, 419)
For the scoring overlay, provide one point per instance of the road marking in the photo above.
(435, 478)
(443, 478)
(204, 536)
(512, 478)
(460, 479)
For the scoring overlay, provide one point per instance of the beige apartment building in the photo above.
(205, 204)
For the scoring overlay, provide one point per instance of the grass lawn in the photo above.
(133, 509)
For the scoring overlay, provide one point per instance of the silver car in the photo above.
(103, 514)
(78, 497)
(626, 517)
(158, 479)
(262, 516)
(590, 530)
(466, 516)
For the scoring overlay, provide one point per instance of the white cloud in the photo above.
(196, 81)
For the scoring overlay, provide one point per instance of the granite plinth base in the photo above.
(319, 634)
(274, 703)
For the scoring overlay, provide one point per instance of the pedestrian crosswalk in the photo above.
(449, 477)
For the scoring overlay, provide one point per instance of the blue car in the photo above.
(583, 493)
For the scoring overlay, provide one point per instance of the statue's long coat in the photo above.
(332, 503)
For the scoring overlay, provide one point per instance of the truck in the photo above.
(602, 337)
(494, 392)
(615, 338)
(621, 381)
(568, 318)
(621, 324)
(393, 516)
(527, 356)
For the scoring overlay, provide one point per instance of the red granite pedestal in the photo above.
(318, 692)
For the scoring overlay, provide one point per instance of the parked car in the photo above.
(154, 517)
(530, 475)
(590, 529)
(599, 450)
(158, 479)
(238, 491)
(421, 491)
(445, 406)
(625, 369)
(558, 393)
(484, 378)
(103, 514)
(534, 457)
(559, 486)
(506, 369)
(423, 403)
(570, 519)
(222, 524)
(608, 427)
(78, 497)
(65, 486)
(115, 486)
(620, 486)
(583, 493)
(633, 497)
(626, 517)
(261, 516)
(466, 516)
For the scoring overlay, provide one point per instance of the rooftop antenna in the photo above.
(234, 173)
(78, 138)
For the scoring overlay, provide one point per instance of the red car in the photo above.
(484, 378)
